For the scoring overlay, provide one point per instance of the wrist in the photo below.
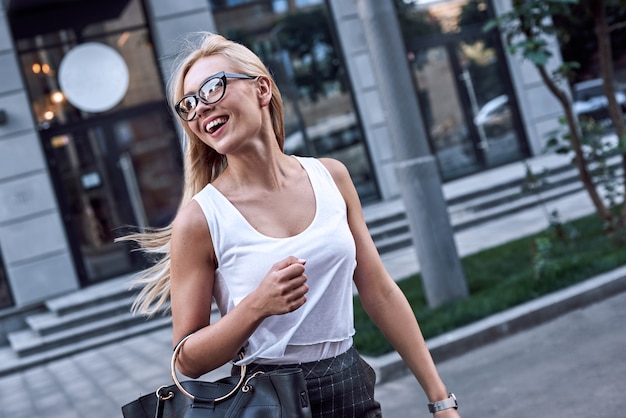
(442, 405)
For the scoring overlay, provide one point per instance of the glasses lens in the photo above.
(212, 90)
(186, 107)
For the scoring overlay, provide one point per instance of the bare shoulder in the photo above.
(337, 169)
(190, 232)
(189, 219)
(344, 183)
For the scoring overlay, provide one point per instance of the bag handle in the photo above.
(179, 346)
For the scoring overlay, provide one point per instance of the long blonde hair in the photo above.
(202, 164)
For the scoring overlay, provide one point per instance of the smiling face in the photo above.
(238, 116)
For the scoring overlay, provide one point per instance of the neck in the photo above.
(265, 167)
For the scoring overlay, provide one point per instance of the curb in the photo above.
(527, 315)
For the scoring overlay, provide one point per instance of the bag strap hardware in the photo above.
(184, 391)
(246, 386)
(161, 397)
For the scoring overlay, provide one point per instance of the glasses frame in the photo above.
(224, 76)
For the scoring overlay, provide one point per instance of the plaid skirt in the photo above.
(339, 387)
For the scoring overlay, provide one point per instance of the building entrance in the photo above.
(111, 174)
(463, 86)
(469, 109)
(111, 147)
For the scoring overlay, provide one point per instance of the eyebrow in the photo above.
(201, 83)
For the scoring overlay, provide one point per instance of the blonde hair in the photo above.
(202, 164)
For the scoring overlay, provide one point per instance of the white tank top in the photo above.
(324, 325)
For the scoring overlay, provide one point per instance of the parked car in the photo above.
(590, 100)
(495, 116)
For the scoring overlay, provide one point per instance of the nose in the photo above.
(202, 107)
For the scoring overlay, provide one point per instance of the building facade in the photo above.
(88, 145)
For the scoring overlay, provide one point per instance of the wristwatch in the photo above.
(448, 403)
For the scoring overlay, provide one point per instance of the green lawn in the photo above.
(505, 276)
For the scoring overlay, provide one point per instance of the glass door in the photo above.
(469, 112)
(444, 115)
(463, 85)
(492, 110)
(111, 176)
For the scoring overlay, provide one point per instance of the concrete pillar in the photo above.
(366, 92)
(415, 166)
(171, 21)
(33, 244)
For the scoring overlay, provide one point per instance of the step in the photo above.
(10, 362)
(395, 242)
(50, 322)
(389, 229)
(27, 342)
(464, 220)
(102, 292)
(505, 196)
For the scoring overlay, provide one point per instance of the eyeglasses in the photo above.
(211, 91)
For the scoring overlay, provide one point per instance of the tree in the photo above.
(608, 76)
(526, 29)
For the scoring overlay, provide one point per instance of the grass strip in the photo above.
(505, 276)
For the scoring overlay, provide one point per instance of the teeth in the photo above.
(214, 123)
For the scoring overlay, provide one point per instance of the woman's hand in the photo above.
(283, 288)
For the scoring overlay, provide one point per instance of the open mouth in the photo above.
(215, 124)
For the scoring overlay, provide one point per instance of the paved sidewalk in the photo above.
(519, 363)
(572, 366)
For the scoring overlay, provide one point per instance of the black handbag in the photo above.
(276, 394)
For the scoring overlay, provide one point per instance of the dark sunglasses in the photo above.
(211, 91)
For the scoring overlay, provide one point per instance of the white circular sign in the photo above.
(93, 77)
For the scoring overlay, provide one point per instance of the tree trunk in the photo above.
(608, 76)
(575, 139)
(572, 124)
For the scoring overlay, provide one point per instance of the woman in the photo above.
(277, 240)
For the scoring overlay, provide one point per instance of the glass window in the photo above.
(463, 88)
(451, 16)
(41, 57)
(297, 46)
(5, 294)
(51, 107)
(112, 168)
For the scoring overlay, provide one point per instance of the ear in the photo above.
(264, 90)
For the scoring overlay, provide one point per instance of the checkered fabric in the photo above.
(339, 387)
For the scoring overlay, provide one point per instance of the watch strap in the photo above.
(448, 403)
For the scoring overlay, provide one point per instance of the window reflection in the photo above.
(449, 16)
(5, 293)
(464, 91)
(110, 169)
(294, 40)
(41, 57)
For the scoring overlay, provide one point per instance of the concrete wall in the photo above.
(170, 21)
(539, 109)
(366, 94)
(33, 244)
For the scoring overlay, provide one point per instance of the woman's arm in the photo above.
(383, 300)
(193, 267)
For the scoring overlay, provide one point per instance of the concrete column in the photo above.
(171, 21)
(366, 92)
(416, 167)
(33, 244)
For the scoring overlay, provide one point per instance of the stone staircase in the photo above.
(76, 322)
(389, 226)
(100, 314)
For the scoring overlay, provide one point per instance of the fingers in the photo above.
(289, 261)
(286, 286)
